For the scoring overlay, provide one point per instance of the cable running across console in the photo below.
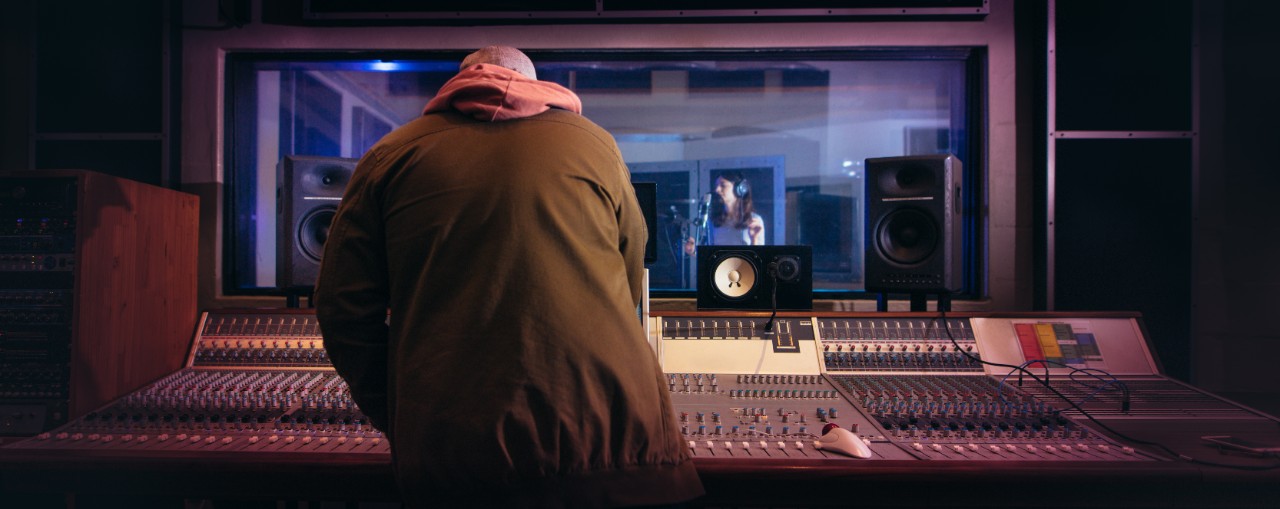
(1022, 370)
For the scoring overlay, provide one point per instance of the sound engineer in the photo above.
(501, 230)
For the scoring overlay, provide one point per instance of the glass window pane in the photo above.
(785, 132)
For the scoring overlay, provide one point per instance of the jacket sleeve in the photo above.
(632, 233)
(352, 294)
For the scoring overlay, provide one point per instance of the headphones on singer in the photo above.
(741, 188)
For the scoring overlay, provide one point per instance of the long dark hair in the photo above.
(740, 217)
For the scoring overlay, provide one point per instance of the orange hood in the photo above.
(489, 92)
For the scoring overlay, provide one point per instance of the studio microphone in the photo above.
(704, 210)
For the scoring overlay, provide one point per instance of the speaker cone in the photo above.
(734, 277)
(313, 231)
(787, 267)
(326, 180)
(907, 236)
(908, 180)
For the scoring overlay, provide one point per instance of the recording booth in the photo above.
(901, 254)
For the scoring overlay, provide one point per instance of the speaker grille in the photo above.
(313, 231)
(908, 236)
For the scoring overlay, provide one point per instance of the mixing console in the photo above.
(254, 382)
(828, 410)
(909, 388)
(974, 418)
(922, 383)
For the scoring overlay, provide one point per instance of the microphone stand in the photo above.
(701, 237)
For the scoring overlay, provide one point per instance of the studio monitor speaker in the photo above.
(744, 277)
(310, 189)
(913, 224)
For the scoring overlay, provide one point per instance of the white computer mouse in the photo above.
(840, 440)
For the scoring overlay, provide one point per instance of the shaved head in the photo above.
(502, 56)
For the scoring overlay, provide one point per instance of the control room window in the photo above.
(795, 125)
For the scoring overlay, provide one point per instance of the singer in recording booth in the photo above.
(728, 215)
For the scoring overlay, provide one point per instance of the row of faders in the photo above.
(762, 396)
(254, 382)
(922, 384)
(765, 417)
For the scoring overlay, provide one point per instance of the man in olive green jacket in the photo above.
(501, 230)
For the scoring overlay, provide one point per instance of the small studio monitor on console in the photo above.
(746, 277)
(307, 199)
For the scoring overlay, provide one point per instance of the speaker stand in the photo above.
(882, 302)
(293, 299)
(919, 302)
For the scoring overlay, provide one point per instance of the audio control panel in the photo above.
(959, 417)
(254, 382)
(737, 344)
(909, 388)
(238, 410)
(37, 260)
(766, 417)
(263, 341)
(898, 345)
(746, 387)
